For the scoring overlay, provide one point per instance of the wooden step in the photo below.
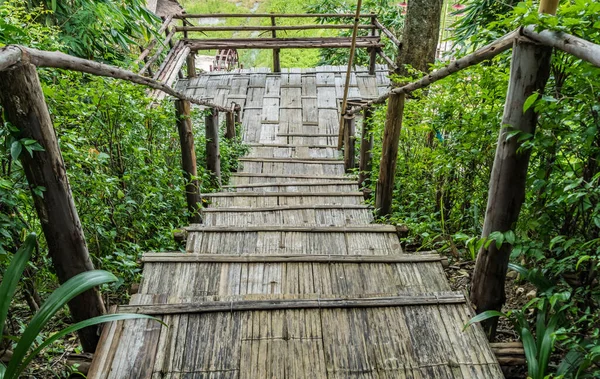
(293, 184)
(282, 194)
(336, 161)
(285, 207)
(283, 145)
(270, 199)
(372, 228)
(292, 176)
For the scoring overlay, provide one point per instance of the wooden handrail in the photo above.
(158, 51)
(268, 28)
(387, 32)
(278, 15)
(586, 50)
(15, 54)
(152, 42)
(487, 52)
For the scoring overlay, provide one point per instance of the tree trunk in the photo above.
(530, 68)
(366, 146)
(188, 160)
(24, 105)
(420, 35)
(389, 154)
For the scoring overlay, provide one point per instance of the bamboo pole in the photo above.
(389, 154)
(151, 44)
(373, 51)
(348, 73)
(366, 146)
(156, 55)
(213, 155)
(582, 49)
(188, 161)
(276, 61)
(529, 71)
(349, 139)
(13, 55)
(25, 108)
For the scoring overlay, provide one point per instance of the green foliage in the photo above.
(57, 300)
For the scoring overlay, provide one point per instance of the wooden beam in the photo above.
(582, 49)
(272, 28)
(294, 184)
(366, 147)
(389, 155)
(159, 50)
(349, 143)
(213, 154)
(487, 52)
(276, 60)
(371, 228)
(191, 65)
(278, 15)
(283, 194)
(291, 258)
(285, 208)
(387, 59)
(388, 33)
(230, 124)
(530, 69)
(188, 160)
(281, 304)
(262, 175)
(13, 55)
(25, 108)
(151, 44)
(281, 43)
(294, 160)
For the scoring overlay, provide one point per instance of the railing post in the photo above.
(188, 160)
(24, 107)
(366, 146)
(349, 142)
(389, 154)
(230, 123)
(529, 71)
(191, 65)
(372, 50)
(238, 114)
(213, 155)
(276, 61)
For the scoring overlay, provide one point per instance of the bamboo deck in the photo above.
(288, 277)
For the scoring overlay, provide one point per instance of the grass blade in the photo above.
(61, 296)
(76, 327)
(12, 275)
(483, 316)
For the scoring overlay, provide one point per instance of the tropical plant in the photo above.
(22, 355)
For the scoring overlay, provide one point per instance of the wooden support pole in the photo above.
(188, 160)
(349, 142)
(389, 154)
(529, 71)
(238, 114)
(230, 123)
(213, 155)
(276, 61)
(191, 65)
(373, 51)
(24, 107)
(366, 146)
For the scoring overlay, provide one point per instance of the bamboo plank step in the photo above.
(295, 160)
(179, 257)
(294, 184)
(283, 194)
(293, 176)
(285, 207)
(292, 146)
(307, 135)
(285, 304)
(373, 228)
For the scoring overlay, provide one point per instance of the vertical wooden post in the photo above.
(389, 154)
(366, 146)
(213, 156)
(230, 123)
(238, 114)
(372, 50)
(191, 65)
(276, 61)
(25, 107)
(349, 142)
(188, 160)
(529, 71)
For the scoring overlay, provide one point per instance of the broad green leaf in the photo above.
(78, 326)
(12, 275)
(59, 298)
(484, 316)
(15, 150)
(530, 353)
(529, 101)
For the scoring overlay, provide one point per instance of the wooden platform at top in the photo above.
(288, 277)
